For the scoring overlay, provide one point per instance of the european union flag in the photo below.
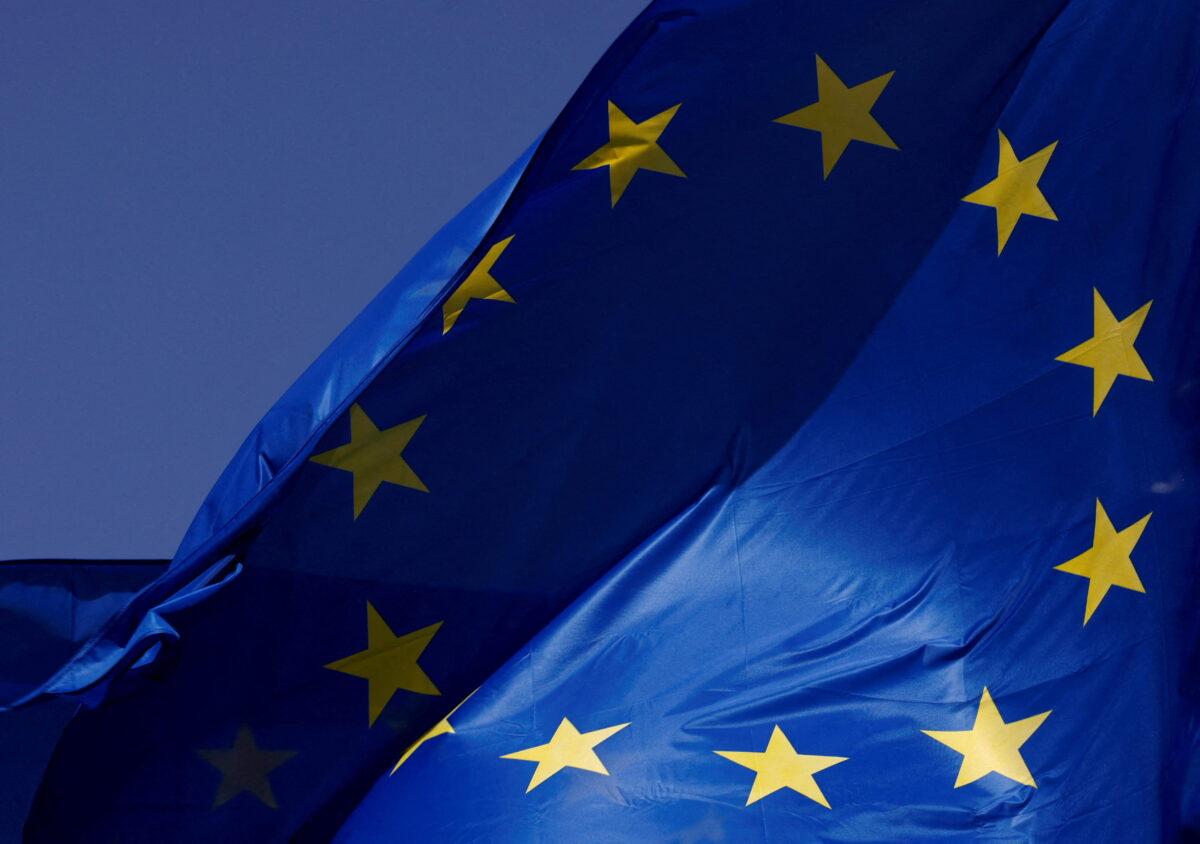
(799, 443)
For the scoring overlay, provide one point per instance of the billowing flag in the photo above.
(799, 443)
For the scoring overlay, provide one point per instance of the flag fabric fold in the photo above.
(48, 608)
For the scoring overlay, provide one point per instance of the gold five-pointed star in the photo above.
(389, 663)
(374, 456)
(842, 114)
(632, 147)
(568, 748)
(245, 767)
(1015, 190)
(478, 285)
(1110, 351)
(991, 745)
(1107, 563)
(441, 728)
(780, 766)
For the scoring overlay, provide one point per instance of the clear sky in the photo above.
(196, 197)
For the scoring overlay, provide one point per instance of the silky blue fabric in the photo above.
(47, 609)
(761, 447)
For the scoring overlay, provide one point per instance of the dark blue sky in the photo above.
(196, 198)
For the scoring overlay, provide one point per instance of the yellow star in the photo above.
(632, 147)
(991, 745)
(389, 663)
(842, 114)
(1107, 563)
(374, 456)
(441, 728)
(245, 767)
(568, 748)
(478, 285)
(780, 766)
(1015, 190)
(1110, 351)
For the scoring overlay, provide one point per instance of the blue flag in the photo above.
(798, 443)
